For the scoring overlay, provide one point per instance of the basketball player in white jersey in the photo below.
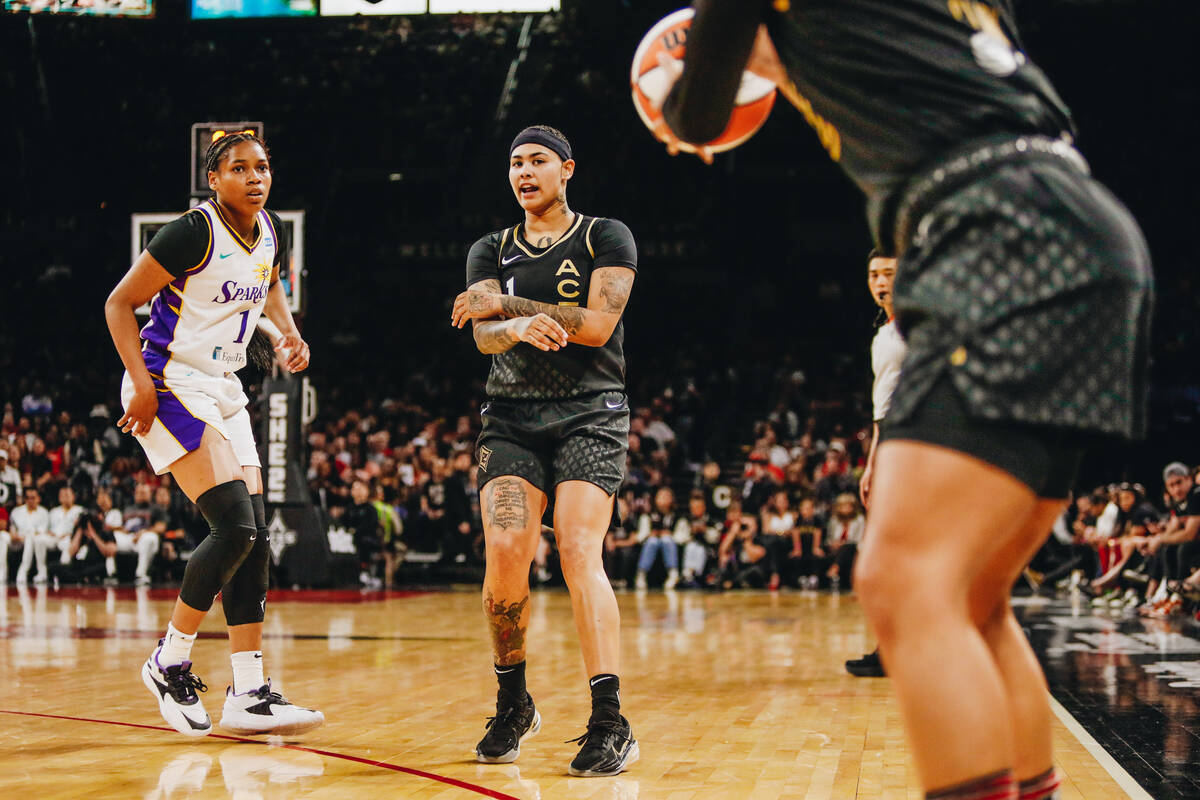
(887, 354)
(211, 273)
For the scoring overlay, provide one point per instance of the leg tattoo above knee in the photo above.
(509, 505)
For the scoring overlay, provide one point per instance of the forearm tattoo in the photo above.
(508, 629)
(492, 336)
(508, 509)
(614, 289)
(570, 317)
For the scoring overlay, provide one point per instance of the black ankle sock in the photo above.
(512, 683)
(606, 696)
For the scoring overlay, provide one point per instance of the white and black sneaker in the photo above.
(512, 725)
(175, 688)
(264, 711)
(608, 749)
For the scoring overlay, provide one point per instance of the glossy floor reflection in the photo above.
(1131, 682)
(732, 697)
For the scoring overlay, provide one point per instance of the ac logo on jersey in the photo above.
(568, 288)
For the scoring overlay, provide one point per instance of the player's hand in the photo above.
(294, 351)
(864, 486)
(674, 68)
(139, 414)
(474, 304)
(541, 331)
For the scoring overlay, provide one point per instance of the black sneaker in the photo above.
(608, 748)
(869, 666)
(512, 725)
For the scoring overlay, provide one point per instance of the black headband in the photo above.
(539, 136)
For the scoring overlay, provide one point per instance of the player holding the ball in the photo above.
(546, 298)
(1014, 264)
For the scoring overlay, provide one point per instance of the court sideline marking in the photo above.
(384, 764)
(1115, 770)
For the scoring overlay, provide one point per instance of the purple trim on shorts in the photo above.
(186, 429)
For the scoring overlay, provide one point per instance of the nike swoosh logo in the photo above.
(503, 671)
(598, 680)
(199, 726)
(610, 404)
(502, 261)
(226, 255)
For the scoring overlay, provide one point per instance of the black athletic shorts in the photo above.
(1026, 295)
(1044, 459)
(547, 442)
(1030, 287)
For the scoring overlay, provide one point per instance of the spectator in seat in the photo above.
(845, 531)
(362, 520)
(621, 544)
(778, 522)
(143, 542)
(743, 558)
(62, 522)
(700, 551)
(88, 549)
(833, 476)
(10, 478)
(808, 554)
(145, 520)
(29, 526)
(660, 532)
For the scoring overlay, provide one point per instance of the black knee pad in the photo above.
(245, 595)
(233, 532)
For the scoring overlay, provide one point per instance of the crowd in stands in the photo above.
(1127, 552)
(78, 502)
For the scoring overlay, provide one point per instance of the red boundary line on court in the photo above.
(385, 765)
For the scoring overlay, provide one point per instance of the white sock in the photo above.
(247, 671)
(176, 647)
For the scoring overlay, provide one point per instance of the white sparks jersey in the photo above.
(205, 317)
(887, 354)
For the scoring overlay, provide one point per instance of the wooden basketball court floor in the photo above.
(737, 696)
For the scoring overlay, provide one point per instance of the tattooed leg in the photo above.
(512, 516)
(509, 623)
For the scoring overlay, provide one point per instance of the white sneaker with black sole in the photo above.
(175, 688)
(261, 711)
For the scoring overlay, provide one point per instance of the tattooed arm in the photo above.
(592, 325)
(498, 335)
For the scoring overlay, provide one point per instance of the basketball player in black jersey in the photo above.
(546, 298)
(1013, 265)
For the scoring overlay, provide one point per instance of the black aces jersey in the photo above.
(889, 86)
(558, 275)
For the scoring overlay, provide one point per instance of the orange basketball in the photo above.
(651, 83)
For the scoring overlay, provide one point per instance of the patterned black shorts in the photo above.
(547, 442)
(1031, 289)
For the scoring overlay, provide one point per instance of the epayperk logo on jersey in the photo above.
(219, 354)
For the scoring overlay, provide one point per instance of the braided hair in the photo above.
(221, 146)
